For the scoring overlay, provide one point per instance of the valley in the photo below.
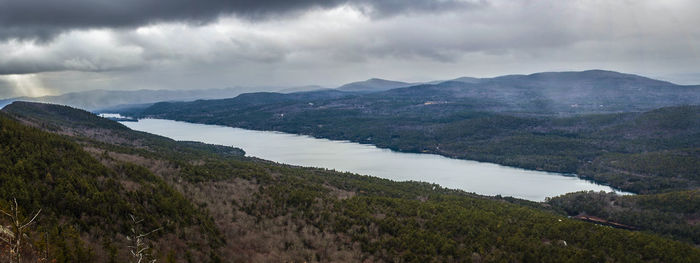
(516, 121)
(249, 209)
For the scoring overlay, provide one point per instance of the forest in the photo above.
(672, 214)
(208, 203)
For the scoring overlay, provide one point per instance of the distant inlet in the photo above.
(471, 176)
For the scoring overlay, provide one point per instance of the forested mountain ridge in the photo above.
(558, 93)
(592, 91)
(271, 212)
(86, 127)
(86, 205)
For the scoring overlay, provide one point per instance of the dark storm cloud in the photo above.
(150, 44)
(42, 19)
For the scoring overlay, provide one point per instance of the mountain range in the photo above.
(593, 91)
(561, 92)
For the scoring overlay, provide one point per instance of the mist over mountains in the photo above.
(101, 99)
(589, 91)
(115, 99)
(593, 91)
(550, 93)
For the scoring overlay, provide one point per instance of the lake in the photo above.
(471, 176)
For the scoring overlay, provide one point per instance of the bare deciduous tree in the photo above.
(139, 248)
(14, 233)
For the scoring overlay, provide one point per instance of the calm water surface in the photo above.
(471, 176)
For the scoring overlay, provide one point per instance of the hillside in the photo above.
(674, 214)
(86, 203)
(264, 211)
(494, 121)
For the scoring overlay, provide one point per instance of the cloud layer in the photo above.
(124, 45)
(41, 19)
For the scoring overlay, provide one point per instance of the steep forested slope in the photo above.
(86, 206)
(264, 211)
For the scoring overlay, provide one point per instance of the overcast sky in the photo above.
(53, 47)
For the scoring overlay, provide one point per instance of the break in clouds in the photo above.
(52, 47)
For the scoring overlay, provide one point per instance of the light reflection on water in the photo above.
(471, 176)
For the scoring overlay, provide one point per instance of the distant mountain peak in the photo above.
(383, 81)
(373, 84)
(597, 74)
(466, 79)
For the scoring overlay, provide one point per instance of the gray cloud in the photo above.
(42, 20)
(333, 43)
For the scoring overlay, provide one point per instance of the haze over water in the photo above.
(471, 176)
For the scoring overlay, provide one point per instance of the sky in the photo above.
(54, 47)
